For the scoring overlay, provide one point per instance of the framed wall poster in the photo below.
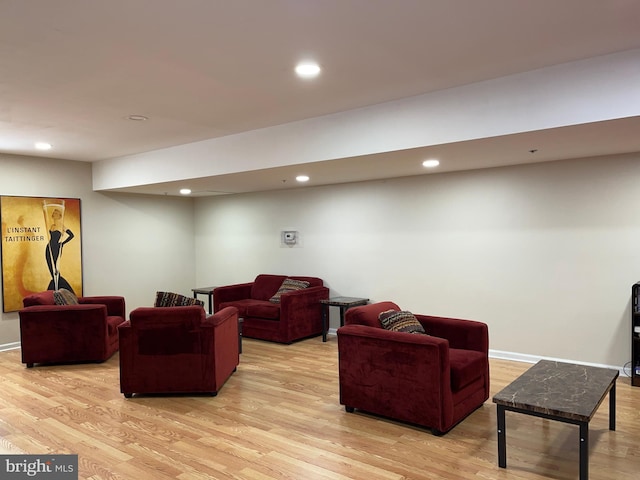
(41, 247)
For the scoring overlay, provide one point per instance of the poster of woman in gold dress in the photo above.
(41, 247)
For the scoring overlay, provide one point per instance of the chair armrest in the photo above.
(391, 365)
(227, 314)
(298, 303)
(115, 304)
(394, 351)
(462, 334)
(231, 293)
(126, 325)
(306, 296)
(47, 312)
(58, 318)
(226, 347)
(421, 344)
(124, 333)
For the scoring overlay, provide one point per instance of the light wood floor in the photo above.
(278, 417)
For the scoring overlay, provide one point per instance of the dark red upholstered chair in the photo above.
(434, 380)
(177, 350)
(297, 316)
(87, 332)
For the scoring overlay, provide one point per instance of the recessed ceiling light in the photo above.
(138, 118)
(431, 163)
(302, 178)
(185, 191)
(43, 146)
(307, 70)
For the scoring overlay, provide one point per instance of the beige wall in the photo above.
(132, 245)
(545, 254)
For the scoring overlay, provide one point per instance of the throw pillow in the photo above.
(400, 321)
(288, 285)
(65, 297)
(170, 299)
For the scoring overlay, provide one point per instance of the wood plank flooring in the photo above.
(279, 417)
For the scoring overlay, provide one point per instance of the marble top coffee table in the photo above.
(558, 391)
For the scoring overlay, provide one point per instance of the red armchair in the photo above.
(87, 332)
(298, 315)
(433, 380)
(177, 350)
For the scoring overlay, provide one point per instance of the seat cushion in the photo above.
(466, 366)
(254, 308)
(112, 325)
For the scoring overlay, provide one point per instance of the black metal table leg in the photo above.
(584, 451)
(612, 407)
(325, 321)
(342, 310)
(502, 437)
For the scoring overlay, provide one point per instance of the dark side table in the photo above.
(205, 291)
(345, 303)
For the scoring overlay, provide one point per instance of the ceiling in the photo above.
(72, 72)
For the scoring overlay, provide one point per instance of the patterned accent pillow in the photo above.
(65, 297)
(400, 321)
(288, 285)
(170, 299)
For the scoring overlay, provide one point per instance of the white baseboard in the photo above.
(9, 346)
(522, 357)
(526, 358)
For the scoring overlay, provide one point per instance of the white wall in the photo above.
(131, 245)
(545, 254)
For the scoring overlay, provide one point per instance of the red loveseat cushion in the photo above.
(267, 310)
(265, 286)
(250, 307)
(466, 366)
(40, 298)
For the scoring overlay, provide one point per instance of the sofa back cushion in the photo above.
(40, 298)
(170, 330)
(265, 286)
(313, 281)
(368, 314)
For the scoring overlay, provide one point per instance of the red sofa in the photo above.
(177, 350)
(433, 380)
(87, 332)
(297, 316)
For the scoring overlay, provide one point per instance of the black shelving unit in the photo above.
(635, 335)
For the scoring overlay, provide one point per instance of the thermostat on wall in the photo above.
(290, 237)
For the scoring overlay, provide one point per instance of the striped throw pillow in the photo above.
(288, 285)
(400, 321)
